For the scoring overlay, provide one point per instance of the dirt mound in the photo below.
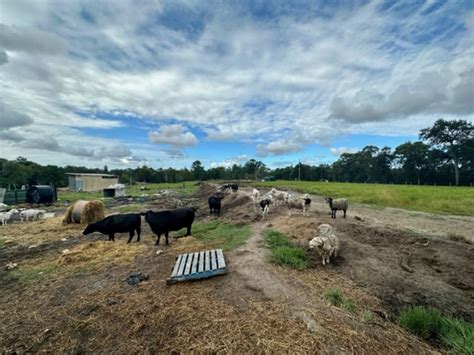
(399, 267)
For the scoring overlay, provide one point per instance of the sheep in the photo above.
(32, 214)
(280, 196)
(255, 193)
(301, 203)
(8, 216)
(326, 243)
(337, 204)
(3, 207)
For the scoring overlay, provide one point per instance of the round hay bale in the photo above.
(84, 212)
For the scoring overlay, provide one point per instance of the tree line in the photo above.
(443, 156)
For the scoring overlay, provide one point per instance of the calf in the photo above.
(171, 220)
(118, 223)
(215, 204)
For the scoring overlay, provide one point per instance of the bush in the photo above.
(431, 324)
(284, 252)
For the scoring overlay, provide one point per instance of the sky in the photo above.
(165, 83)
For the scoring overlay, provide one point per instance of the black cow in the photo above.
(119, 223)
(215, 204)
(171, 220)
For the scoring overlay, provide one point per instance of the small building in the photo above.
(90, 182)
(115, 190)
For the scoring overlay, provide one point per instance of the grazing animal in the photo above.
(32, 214)
(85, 212)
(117, 223)
(326, 243)
(230, 187)
(337, 204)
(264, 205)
(8, 216)
(279, 196)
(3, 207)
(215, 204)
(255, 193)
(171, 220)
(299, 203)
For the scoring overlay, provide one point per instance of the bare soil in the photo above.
(85, 304)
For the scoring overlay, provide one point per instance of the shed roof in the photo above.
(91, 174)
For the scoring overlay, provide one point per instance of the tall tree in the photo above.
(449, 136)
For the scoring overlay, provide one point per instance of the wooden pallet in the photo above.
(199, 265)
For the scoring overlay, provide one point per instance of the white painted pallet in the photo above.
(198, 265)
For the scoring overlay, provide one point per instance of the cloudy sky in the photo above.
(163, 83)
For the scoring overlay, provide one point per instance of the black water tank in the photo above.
(40, 194)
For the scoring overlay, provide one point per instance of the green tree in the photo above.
(198, 170)
(413, 158)
(449, 136)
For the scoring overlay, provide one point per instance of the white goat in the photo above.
(300, 203)
(326, 243)
(8, 216)
(32, 214)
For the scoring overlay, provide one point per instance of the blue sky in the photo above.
(165, 83)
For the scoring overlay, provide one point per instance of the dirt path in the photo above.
(418, 222)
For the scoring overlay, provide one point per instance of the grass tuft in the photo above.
(431, 324)
(335, 297)
(216, 234)
(284, 252)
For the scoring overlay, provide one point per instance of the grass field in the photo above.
(186, 188)
(435, 199)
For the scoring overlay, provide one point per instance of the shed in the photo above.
(115, 190)
(90, 182)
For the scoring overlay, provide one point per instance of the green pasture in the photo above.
(434, 199)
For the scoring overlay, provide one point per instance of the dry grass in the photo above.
(101, 252)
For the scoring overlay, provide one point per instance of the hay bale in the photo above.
(93, 211)
(84, 212)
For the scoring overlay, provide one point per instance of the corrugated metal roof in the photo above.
(91, 174)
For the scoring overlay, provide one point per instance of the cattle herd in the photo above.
(325, 241)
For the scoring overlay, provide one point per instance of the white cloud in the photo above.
(233, 75)
(340, 150)
(174, 135)
(278, 148)
(10, 118)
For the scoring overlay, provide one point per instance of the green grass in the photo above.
(284, 252)
(220, 235)
(434, 199)
(430, 324)
(367, 316)
(184, 189)
(27, 274)
(335, 297)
